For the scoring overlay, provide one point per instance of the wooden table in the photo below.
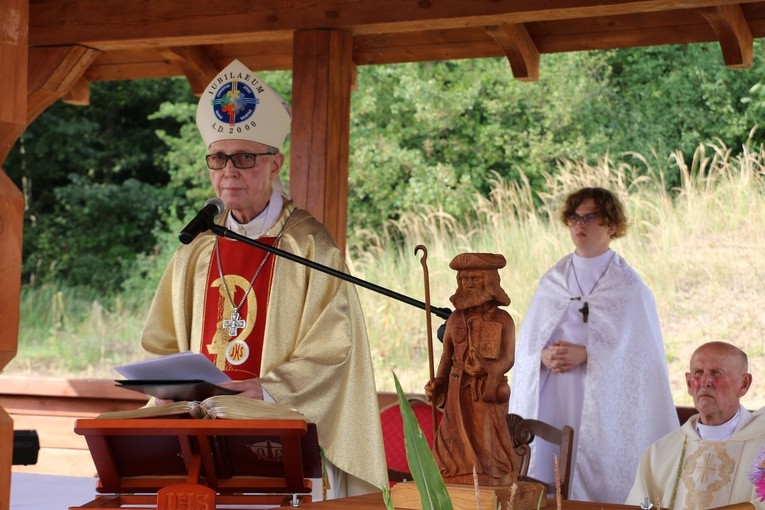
(375, 502)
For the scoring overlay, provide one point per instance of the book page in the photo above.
(164, 411)
(236, 407)
(219, 406)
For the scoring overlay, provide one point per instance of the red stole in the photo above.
(234, 341)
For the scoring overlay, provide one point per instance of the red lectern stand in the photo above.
(187, 463)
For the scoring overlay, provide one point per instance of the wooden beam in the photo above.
(321, 111)
(195, 64)
(79, 94)
(667, 27)
(733, 32)
(53, 73)
(135, 42)
(109, 25)
(519, 49)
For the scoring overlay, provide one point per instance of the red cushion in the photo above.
(393, 432)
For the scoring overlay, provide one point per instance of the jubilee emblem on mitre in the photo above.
(234, 102)
(237, 105)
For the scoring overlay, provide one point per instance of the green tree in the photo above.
(421, 134)
(95, 232)
(109, 146)
(431, 133)
(671, 98)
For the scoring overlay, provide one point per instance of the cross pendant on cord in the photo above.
(585, 311)
(236, 323)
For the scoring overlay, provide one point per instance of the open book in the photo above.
(219, 406)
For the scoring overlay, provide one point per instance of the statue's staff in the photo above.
(424, 262)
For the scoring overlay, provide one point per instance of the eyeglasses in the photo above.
(574, 219)
(218, 160)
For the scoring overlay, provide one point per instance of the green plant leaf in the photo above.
(387, 499)
(425, 472)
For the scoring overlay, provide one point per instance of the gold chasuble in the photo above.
(307, 326)
(234, 320)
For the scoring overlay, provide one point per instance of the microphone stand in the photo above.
(224, 232)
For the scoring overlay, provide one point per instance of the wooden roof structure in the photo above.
(173, 37)
(52, 50)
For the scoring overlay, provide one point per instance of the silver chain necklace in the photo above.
(585, 309)
(236, 322)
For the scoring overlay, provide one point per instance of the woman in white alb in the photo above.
(590, 355)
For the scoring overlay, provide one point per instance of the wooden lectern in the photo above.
(187, 463)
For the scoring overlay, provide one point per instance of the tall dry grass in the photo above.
(699, 248)
(71, 332)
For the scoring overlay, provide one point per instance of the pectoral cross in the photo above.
(236, 323)
(585, 311)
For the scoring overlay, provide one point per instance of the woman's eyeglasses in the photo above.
(573, 218)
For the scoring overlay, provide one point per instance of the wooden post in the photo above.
(11, 227)
(322, 72)
(14, 36)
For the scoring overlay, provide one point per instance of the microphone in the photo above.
(202, 221)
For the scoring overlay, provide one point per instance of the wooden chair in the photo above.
(393, 435)
(523, 432)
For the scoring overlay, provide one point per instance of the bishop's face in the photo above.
(246, 191)
(591, 238)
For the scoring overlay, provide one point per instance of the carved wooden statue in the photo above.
(470, 383)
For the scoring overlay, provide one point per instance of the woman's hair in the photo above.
(609, 208)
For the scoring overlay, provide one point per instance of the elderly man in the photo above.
(281, 331)
(705, 463)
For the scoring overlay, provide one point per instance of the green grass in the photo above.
(699, 247)
(70, 332)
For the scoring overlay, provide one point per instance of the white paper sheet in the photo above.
(179, 366)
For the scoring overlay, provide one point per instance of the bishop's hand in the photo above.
(248, 388)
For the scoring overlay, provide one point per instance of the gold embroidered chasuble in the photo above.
(315, 354)
(712, 474)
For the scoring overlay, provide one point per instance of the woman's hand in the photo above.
(562, 356)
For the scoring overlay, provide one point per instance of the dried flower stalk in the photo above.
(477, 490)
(558, 497)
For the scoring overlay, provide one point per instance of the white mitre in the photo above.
(237, 105)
